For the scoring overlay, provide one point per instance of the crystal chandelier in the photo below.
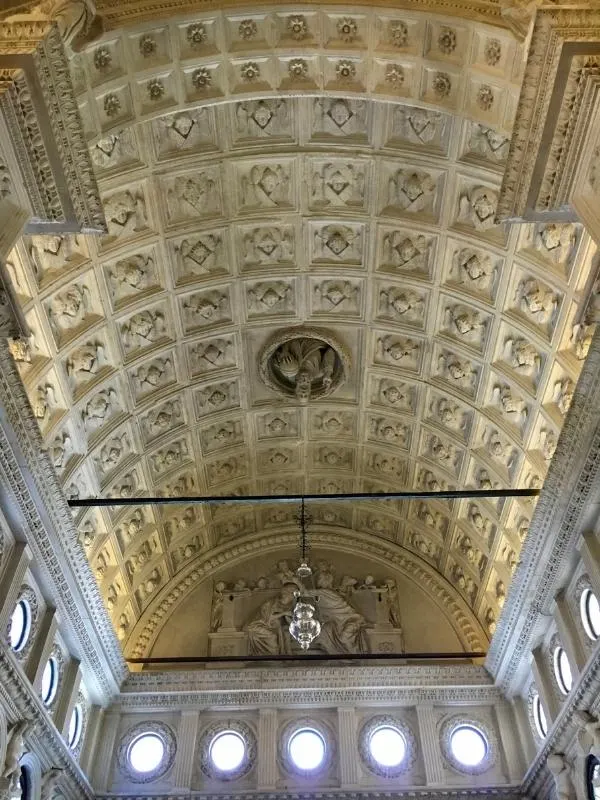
(304, 628)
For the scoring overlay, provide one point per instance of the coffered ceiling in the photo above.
(237, 213)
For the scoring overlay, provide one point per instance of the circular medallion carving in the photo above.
(246, 734)
(304, 363)
(150, 728)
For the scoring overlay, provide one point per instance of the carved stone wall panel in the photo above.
(199, 257)
(403, 252)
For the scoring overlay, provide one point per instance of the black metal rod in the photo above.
(309, 657)
(450, 494)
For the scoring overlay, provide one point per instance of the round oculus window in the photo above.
(539, 717)
(50, 681)
(20, 625)
(75, 727)
(146, 752)
(562, 670)
(306, 748)
(387, 746)
(593, 778)
(227, 751)
(468, 745)
(25, 783)
(590, 614)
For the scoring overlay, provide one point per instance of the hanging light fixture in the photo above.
(304, 628)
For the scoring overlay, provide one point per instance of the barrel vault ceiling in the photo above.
(254, 181)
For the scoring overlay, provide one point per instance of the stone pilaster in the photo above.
(569, 635)
(348, 756)
(267, 749)
(186, 747)
(544, 685)
(432, 758)
(11, 582)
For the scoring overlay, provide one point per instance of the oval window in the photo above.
(590, 614)
(50, 681)
(20, 625)
(562, 670)
(469, 745)
(387, 746)
(146, 752)
(75, 726)
(227, 751)
(539, 717)
(307, 749)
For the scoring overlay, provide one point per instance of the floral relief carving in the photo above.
(297, 27)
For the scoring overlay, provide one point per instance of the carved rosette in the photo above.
(305, 363)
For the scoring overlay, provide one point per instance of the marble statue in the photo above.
(303, 363)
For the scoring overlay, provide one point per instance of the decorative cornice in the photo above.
(155, 616)
(543, 140)
(46, 132)
(41, 504)
(480, 793)
(573, 478)
(120, 13)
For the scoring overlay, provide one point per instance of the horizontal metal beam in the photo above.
(310, 657)
(450, 494)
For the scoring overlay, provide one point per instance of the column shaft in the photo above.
(186, 747)
(432, 756)
(267, 749)
(348, 753)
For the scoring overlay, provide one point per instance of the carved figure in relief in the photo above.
(464, 321)
(123, 627)
(499, 449)
(397, 349)
(433, 519)
(556, 240)
(581, 339)
(113, 150)
(125, 213)
(478, 208)
(43, 401)
(473, 269)
(169, 457)
(111, 453)
(449, 414)
(389, 431)
(511, 405)
(416, 124)
(51, 251)
(488, 143)
(15, 746)
(536, 300)
(224, 395)
(460, 373)
(132, 527)
(206, 308)
(100, 407)
(85, 361)
(304, 363)
(193, 195)
(423, 545)
(411, 191)
(482, 524)
(490, 621)
(164, 417)
(150, 584)
(259, 118)
(338, 184)
(88, 533)
(69, 307)
(339, 116)
(214, 354)
(523, 356)
(114, 591)
(266, 186)
(102, 563)
(400, 250)
(563, 394)
(187, 551)
(266, 297)
(200, 255)
(22, 349)
(339, 242)
(548, 444)
(395, 394)
(561, 770)
(184, 485)
(151, 375)
(60, 450)
(142, 329)
(132, 274)
(268, 245)
(337, 295)
(430, 483)
(472, 555)
(268, 632)
(401, 303)
(183, 130)
(443, 452)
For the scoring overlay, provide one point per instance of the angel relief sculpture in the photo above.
(356, 616)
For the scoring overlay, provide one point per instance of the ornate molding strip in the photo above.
(481, 793)
(573, 478)
(38, 103)
(155, 616)
(554, 108)
(105, 661)
(18, 696)
(119, 13)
